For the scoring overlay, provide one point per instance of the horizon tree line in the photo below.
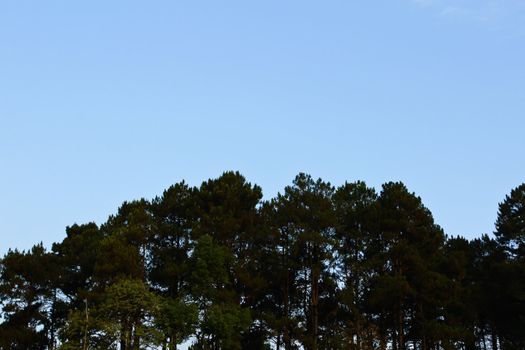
(316, 267)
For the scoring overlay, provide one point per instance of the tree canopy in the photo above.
(317, 267)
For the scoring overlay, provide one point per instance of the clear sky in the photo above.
(106, 101)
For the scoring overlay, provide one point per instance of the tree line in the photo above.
(316, 267)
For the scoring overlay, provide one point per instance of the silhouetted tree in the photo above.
(316, 267)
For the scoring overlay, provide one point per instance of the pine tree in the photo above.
(357, 217)
(170, 244)
(510, 224)
(308, 215)
(32, 310)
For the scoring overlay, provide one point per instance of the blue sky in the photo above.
(106, 101)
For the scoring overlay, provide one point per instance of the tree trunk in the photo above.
(123, 336)
(315, 307)
(357, 288)
(358, 333)
(382, 331)
(85, 343)
(173, 340)
(136, 337)
(286, 331)
(419, 318)
(400, 331)
(128, 335)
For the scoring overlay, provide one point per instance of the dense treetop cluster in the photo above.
(316, 267)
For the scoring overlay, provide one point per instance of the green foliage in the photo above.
(226, 323)
(317, 267)
(130, 303)
(77, 258)
(31, 311)
(222, 320)
(209, 273)
(177, 318)
(510, 224)
(125, 316)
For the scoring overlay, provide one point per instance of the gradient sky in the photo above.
(106, 101)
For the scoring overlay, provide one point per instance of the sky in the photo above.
(107, 101)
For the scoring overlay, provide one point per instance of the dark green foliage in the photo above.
(32, 311)
(405, 285)
(510, 225)
(357, 223)
(317, 267)
(222, 320)
(304, 220)
(176, 319)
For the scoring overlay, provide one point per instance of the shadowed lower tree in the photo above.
(405, 252)
(176, 321)
(462, 306)
(174, 214)
(126, 319)
(77, 257)
(128, 312)
(222, 321)
(228, 211)
(31, 305)
(357, 218)
(306, 218)
(278, 266)
(508, 283)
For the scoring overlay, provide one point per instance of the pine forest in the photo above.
(317, 267)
